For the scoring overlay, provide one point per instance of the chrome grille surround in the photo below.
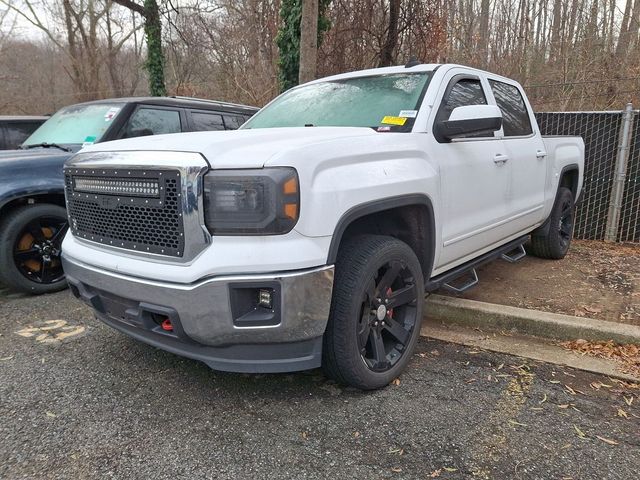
(167, 228)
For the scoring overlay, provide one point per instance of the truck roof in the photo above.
(422, 67)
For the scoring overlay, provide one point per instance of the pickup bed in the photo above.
(310, 236)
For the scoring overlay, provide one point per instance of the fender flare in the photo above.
(543, 229)
(381, 205)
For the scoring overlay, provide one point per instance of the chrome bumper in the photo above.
(203, 315)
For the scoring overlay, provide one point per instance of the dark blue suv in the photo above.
(33, 219)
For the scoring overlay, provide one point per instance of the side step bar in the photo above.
(511, 252)
(514, 255)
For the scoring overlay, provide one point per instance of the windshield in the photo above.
(76, 124)
(385, 102)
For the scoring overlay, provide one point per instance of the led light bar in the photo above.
(134, 187)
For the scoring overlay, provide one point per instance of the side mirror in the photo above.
(470, 120)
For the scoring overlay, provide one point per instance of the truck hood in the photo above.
(250, 148)
(27, 159)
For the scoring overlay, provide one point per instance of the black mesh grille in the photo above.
(129, 221)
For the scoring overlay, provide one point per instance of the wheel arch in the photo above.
(18, 199)
(409, 218)
(570, 178)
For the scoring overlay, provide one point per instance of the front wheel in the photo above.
(30, 242)
(376, 312)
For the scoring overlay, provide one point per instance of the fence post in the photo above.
(615, 202)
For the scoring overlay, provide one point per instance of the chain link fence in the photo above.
(610, 205)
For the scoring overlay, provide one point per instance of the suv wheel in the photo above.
(30, 243)
(376, 312)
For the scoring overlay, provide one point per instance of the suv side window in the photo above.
(152, 121)
(233, 122)
(18, 132)
(206, 122)
(515, 117)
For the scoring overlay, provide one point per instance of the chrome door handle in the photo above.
(500, 159)
(541, 154)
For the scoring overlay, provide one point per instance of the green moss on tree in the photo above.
(288, 39)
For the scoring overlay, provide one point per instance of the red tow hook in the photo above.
(166, 325)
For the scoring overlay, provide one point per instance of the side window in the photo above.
(152, 121)
(233, 122)
(467, 91)
(515, 117)
(206, 122)
(17, 132)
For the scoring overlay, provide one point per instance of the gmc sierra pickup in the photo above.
(310, 236)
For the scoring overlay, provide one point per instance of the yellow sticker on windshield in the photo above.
(393, 120)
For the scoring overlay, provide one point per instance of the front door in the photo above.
(474, 176)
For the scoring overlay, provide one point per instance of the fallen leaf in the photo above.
(356, 434)
(396, 469)
(51, 415)
(396, 382)
(544, 399)
(570, 390)
(4, 359)
(622, 413)
(607, 440)
(304, 435)
(580, 432)
(628, 400)
(566, 405)
(436, 473)
(449, 469)
(513, 422)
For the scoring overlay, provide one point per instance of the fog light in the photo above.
(265, 298)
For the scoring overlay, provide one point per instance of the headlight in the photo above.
(258, 202)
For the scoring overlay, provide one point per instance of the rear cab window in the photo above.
(206, 121)
(515, 116)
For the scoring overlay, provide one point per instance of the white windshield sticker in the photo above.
(408, 113)
(112, 112)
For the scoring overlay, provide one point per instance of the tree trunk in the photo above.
(308, 41)
(483, 40)
(386, 54)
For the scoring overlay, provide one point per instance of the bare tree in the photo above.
(308, 41)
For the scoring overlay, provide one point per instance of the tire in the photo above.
(30, 241)
(555, 243)
(368, 343)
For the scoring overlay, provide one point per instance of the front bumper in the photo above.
(209, 317)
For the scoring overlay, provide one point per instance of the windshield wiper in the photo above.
(46, 145)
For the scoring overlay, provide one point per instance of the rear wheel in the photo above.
(376, 312)
(555, 243)
(30, 244)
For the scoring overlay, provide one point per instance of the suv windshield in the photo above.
(76, 124)
(389, 101)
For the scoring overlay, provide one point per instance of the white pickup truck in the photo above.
(310, 236)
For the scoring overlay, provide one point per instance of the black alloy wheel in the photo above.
(376, 311)
(388, 316)
(30, 248)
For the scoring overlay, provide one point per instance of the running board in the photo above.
(515, 255)
(445, 278)
(471, 282)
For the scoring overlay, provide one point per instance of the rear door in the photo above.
(526, 151)
(473, 174)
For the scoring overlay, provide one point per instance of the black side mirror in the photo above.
(469, 120)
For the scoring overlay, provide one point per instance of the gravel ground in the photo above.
(96, 404)
(595, 280)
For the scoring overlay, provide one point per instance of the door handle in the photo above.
(541, 154)
(500, 159)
